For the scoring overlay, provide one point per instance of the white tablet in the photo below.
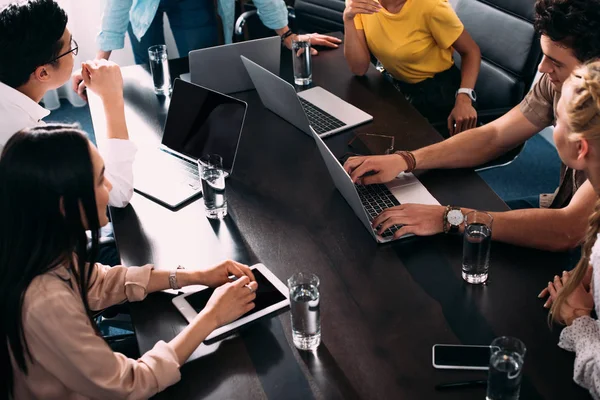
(271, 296)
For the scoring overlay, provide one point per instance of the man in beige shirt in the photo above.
(561, 221)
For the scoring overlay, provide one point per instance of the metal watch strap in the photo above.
(173, 278)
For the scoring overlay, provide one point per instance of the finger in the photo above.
(81, 91)
(246, 271)
(405, 230)
(459, 126)
(383, 216)
(241, 282)
(372, 179)
(396, 220)
(451, 125)
(248, 307)
(331, 39)
(557, 283)
(367, 9)
(313, 51)
(86, 74)
(76, 80)
(360, 170)
(474, 123)
(352, 163)
(551, 290)
(324, 43)
(543, 293)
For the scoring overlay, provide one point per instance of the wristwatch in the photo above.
(453, 217)
(173, 278)
(469, 92)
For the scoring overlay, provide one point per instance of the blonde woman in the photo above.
(573, 295)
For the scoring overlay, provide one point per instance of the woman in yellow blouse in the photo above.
(414, 41)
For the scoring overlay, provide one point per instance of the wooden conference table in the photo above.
(382, 306)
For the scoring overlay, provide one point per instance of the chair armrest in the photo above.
(241, 21)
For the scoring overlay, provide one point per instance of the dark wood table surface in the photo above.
(382, 306)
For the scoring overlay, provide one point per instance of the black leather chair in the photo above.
(320, 16)
(510, 53)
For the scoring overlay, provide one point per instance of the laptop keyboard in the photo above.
(319, 120)
(375, 199)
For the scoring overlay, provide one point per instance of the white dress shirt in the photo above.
(17, 111)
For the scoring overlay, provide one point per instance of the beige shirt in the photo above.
(539, 107)
(70, 361)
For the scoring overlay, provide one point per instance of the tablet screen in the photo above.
(266, 295)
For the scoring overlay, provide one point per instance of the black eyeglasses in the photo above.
(74, 50)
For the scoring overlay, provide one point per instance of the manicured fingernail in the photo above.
(564, 272)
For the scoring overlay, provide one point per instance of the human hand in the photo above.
(315, 39)
(104, 78)
(463, 115)
(78, 84)
(586, 282)
(230, 301)
(367, 170)
(418, 219)
(354, 7)
(219, 274)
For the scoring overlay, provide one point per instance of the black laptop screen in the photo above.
(201, 122)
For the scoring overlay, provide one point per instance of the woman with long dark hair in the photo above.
(53, 189)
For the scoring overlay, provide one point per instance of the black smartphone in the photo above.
(450, 356)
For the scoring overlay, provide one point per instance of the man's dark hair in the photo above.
(573, 23)
(30, 36)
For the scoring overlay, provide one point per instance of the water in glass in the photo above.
(213, 191)
(504, 380)
(302, 61)
(306, 321)
(159, 66)
(476, 252)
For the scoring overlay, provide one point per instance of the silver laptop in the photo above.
(368, 201)
(314, 108)
(220, 68)
(200, 121)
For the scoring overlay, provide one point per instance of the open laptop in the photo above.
(368, 201)
(314, 108)
(200, 121)
(220, 68)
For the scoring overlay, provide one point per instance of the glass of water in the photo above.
(506, 368)
(302, 60)
(212, 176)
(476, 246)
(159, 66)
(306, 314)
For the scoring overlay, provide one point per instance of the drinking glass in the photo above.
(305, 310)
(476, 246)
(302, 60)
(506, 368)
(212, 176)
(159, 66)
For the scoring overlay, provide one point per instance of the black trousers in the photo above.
(434, 97)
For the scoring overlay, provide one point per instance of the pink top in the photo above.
(70, 360)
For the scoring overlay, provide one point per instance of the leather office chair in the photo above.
(510, 53)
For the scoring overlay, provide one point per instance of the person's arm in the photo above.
(62, 340)
(545, 229)
(469, 149)
(115, 21)
(464, 114)
(104, 78)
(356, 50)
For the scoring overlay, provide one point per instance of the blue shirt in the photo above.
(118, 14)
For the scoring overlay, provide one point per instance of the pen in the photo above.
(460, 385)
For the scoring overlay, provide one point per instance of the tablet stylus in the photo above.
(460, 385)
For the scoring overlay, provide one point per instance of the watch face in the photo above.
(455, 217)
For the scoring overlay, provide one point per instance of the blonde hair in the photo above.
(583, 112)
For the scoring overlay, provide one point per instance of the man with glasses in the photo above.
(40, 52)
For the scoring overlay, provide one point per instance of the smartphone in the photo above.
(450, 356)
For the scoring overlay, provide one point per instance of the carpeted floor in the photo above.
(535, 171)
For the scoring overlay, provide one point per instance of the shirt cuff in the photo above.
(579, 332)
(108, 41)
(136, 282)
(164, 364)
(531, 114)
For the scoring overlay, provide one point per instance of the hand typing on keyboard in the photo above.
(367, 170)
(417, 219)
